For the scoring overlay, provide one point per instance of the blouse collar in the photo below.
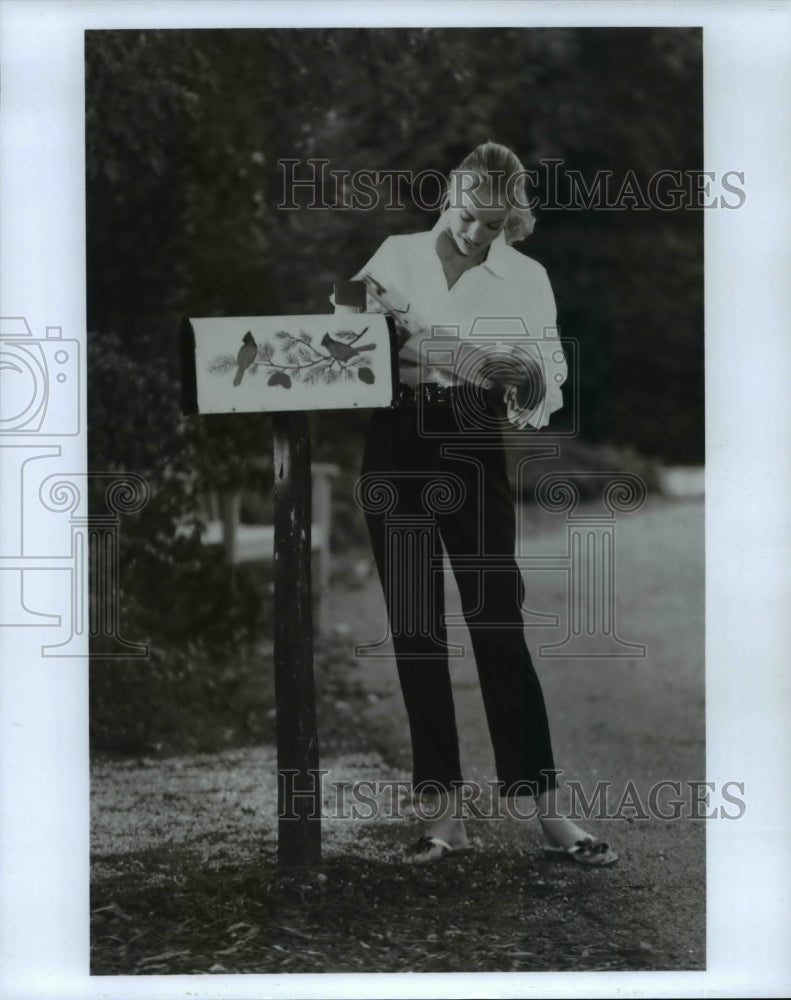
(496, 259)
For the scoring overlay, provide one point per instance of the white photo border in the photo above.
(43, 705)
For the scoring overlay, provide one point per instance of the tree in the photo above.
(186, 131)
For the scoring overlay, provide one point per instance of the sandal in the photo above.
(428, 849)
(585, 852)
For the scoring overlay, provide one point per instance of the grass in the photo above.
(184, 847)
(192, 886)
(494, 912)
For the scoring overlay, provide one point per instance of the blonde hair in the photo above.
(499, 169)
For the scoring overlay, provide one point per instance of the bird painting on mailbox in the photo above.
(245, 364)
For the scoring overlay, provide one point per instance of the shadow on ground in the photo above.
(184, 874)
(496, 910)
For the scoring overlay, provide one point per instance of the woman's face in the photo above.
(473, 220)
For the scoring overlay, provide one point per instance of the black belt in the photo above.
(434, 394)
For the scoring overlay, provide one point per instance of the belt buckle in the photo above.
(425, 393)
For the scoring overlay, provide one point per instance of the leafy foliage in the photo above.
(187, 134)
(185, 131)
(175, 594)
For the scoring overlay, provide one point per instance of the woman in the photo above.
(478, 344)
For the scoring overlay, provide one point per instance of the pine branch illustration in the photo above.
(222, 363)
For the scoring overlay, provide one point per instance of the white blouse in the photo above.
(503, 305)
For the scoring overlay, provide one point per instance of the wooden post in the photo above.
(285, 365)
(299, 783)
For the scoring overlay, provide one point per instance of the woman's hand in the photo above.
(520, 375)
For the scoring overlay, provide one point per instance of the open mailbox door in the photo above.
(253, 364)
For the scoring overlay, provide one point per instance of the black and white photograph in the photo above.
(398, 456)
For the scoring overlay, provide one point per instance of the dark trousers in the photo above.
(426, 483)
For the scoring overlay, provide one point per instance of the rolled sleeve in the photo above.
(538, 352)
(380, 266)
(542, 323)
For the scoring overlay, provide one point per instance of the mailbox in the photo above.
(253, 364)
(285, 365)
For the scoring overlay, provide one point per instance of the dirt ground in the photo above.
(184, 879)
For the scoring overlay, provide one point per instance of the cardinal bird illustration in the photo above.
(245, 357)
(343, 352)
